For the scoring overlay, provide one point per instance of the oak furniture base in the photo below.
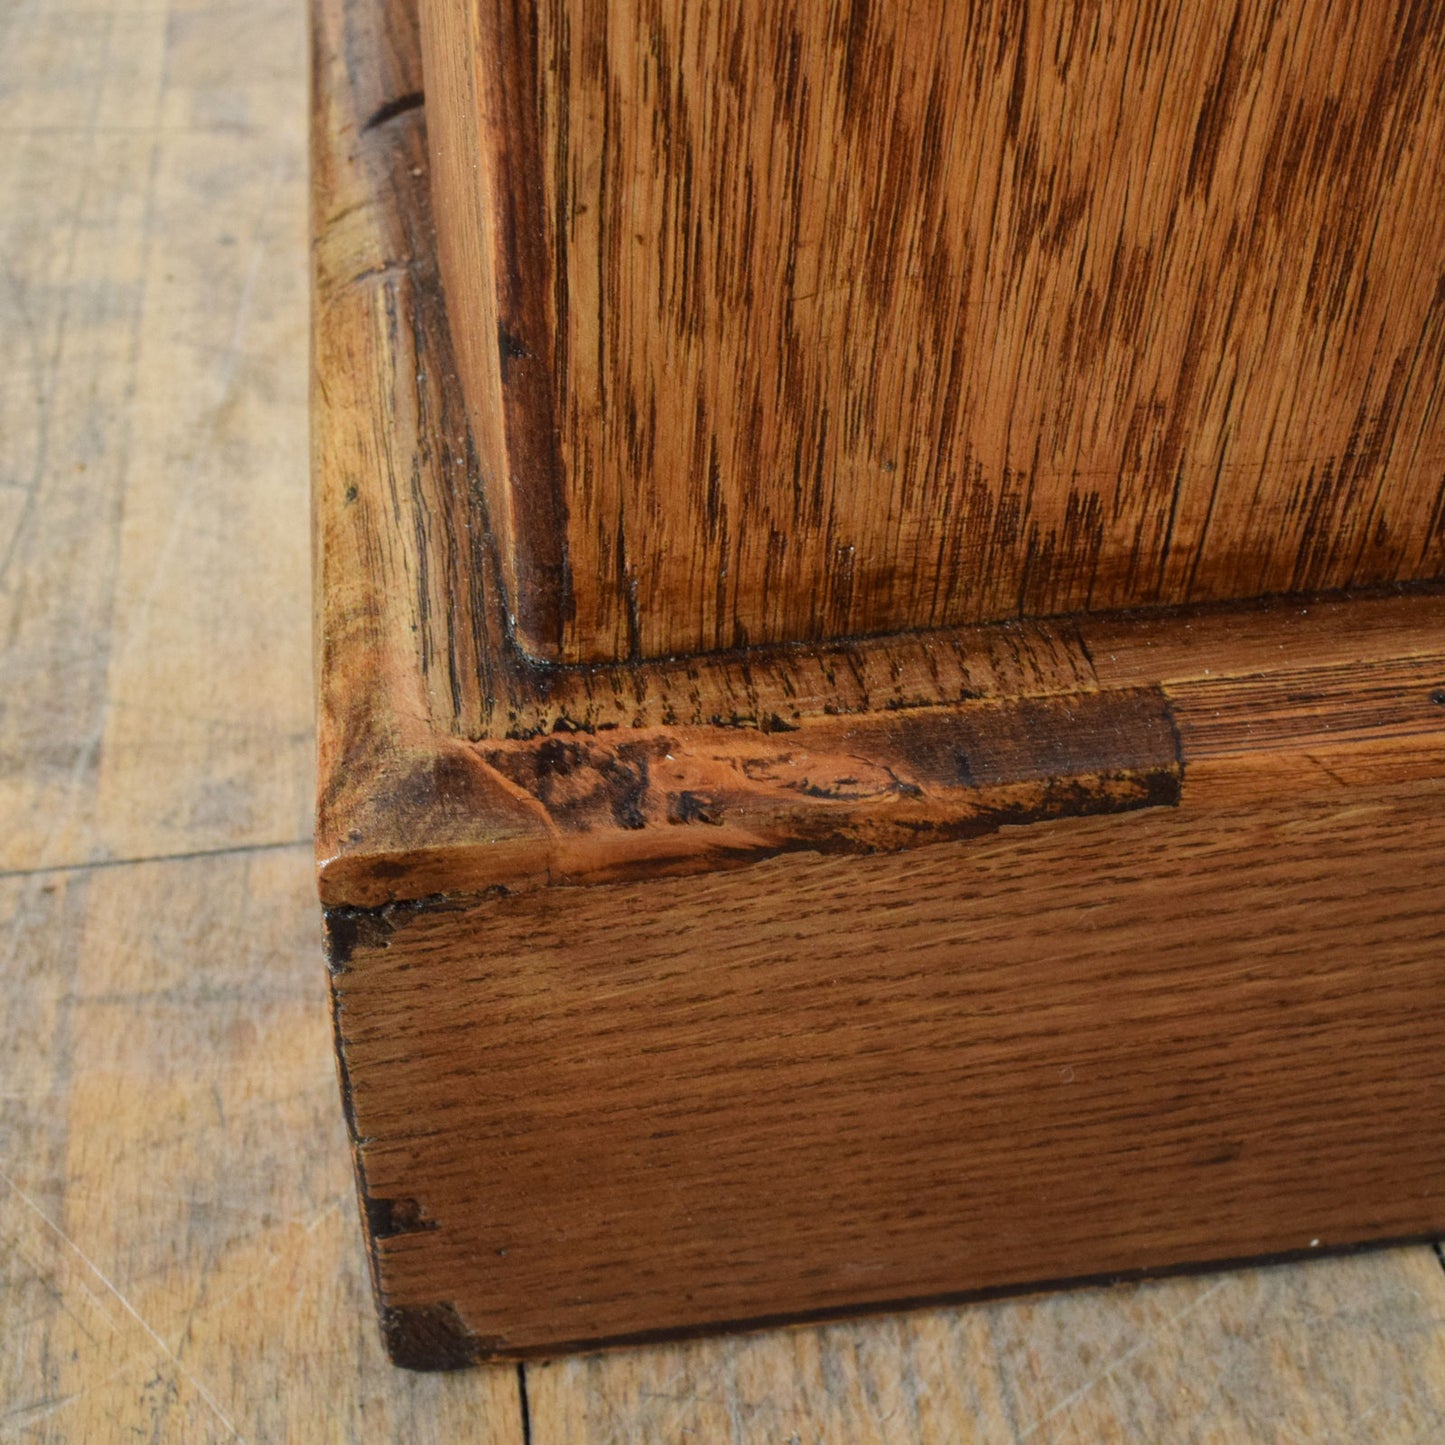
(804, 981)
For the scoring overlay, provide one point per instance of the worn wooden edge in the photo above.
(496, 265)
(449, 762)
(661, 802)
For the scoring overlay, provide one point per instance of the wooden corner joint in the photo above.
(450, 763)
(428, 1337)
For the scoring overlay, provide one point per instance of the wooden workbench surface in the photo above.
(179, 1254)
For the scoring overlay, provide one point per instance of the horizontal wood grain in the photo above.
(1090, 1047)
(783, 326)
(1274, 634)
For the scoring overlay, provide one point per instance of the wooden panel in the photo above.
(785, 326)
(1082, 1048)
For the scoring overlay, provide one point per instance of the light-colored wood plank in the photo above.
(179, 1250)
(13, 502)
(72, 1331)
(152, 399)
(179, 1231)
(1342, 1351)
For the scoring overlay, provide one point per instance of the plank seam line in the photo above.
(523, 1404)
(100, 863)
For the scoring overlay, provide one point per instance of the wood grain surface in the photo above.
(786, 326)
(656, 1013)
(178, 1242)
(179, 1259)
(451, 763)
(441, 747)
(1075, 1049)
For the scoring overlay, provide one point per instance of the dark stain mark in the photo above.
(689, 807)
(1160, 787)
(1438, 697)
(626, 782)
(511, 349)
(386, 1218)
(768, 722)
(412, 100)
(851, 790)
(579, 783)
(349, 928)
(431, 1337)
(1224, 1154)
(1033, 760)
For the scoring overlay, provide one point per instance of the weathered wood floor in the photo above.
(178, 1254)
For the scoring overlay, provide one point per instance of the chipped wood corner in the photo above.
(496, 816)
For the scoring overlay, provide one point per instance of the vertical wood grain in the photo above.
(873, 317)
